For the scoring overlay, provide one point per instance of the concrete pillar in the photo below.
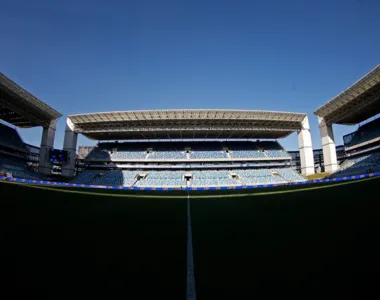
(328, 145)
(70, 145)
(47, 142)
(306, 148)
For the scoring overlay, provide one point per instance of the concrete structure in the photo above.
(22, 109)
(47, 142)
(328, 146)
(305, 147)
(319, 164)
(70, 145)
(356, 104)
(190, 124)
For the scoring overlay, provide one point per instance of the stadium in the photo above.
(192, 203)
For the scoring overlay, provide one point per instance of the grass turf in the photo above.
(60, 241)
(311, 242)
(317, 239)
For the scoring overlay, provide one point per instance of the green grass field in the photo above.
(51, 239)
(312, 242)
(308, 240)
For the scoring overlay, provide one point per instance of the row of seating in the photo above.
(196, 178)
(17, 167)
(106, 177)
(365, 133)
(163, 178)
(205, 150)
(269, 175)
(9, 137)
(359, 165)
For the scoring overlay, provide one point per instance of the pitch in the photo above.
(304, 240)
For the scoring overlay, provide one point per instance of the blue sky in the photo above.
(90, 56)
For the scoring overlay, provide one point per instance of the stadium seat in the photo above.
(359, 165)
(365, 133)
(198, 151)
(9, 137)
(163, 179)
(18, 168)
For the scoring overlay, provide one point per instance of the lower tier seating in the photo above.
(359, 165)
(18, 168)
(180, 178)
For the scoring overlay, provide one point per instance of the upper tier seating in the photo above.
(257, 150)
(207, 150)
(365, 133)
(244, 150)
(128, 150)
(273, 150)
(99, 153)
(197, 150)
(168, 151)
(9, 137)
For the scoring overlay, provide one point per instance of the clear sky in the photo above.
(103, 55)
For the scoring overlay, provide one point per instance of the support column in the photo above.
(306, 148)
(70, 145)
(328, 145)
(47, 142)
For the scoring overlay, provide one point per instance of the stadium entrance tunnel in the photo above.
(305, 240)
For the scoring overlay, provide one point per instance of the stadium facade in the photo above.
(192, 147)
(356, 104)
(319, 163)
(215, 125)
(21, 109)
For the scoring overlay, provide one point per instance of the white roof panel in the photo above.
(355, 104)
(190, 123)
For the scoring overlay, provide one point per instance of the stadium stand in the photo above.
(126, 150)
(214, 177)
(273, 150)
(13, 154)
(17, 167)
(163, 178)
(209, 150)
(359, 165)
(176, 178)
(355, 105)
(168, 151)
(366, 133)
(9, 137)
(188, 163)
(99, 153)
(269, 176)
(244, 150)
(23, 110)
(188, 151)
(86, 176)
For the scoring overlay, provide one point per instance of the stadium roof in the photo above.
(186, 124)
(22, 109)
(356, 104)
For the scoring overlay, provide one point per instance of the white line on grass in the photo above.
(191, 295)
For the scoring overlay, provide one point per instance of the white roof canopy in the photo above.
(356, 104)
(185, 124)
(21, 108)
